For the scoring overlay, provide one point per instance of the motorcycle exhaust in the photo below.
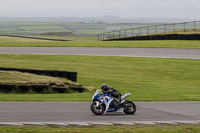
(127, 105)
(126, 95)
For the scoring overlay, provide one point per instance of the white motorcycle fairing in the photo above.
(107, 99)
(103, 103)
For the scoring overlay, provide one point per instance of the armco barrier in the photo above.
(132, 33)
(54, 73)
(161, 37)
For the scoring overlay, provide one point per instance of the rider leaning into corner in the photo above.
(111, 101)
(116, 94)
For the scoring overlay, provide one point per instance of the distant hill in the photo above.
(111, 17)
(106, 19)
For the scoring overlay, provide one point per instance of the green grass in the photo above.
(148, 79)
(89, 42)
(185, 32)
(74, 38)
(107, 129)
(4, 39)
(72, 97)
(75, 27)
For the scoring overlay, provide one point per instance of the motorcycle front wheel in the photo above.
(97, 110)
(131, 109)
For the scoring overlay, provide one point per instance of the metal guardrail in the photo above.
(149, 30)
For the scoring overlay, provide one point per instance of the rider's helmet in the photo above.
(104, 87)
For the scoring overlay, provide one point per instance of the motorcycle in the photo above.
(104, 103)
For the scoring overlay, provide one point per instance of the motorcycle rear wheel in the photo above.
(97, 110)
(130, 110)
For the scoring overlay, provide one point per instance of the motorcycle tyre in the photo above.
(93, 110)
(126, 111)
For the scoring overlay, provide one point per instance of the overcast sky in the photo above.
(99, 8)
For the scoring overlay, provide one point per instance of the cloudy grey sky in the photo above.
(99, 8)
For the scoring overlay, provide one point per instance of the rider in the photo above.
(107, 89)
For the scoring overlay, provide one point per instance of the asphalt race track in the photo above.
(133, 52)
(80, 112)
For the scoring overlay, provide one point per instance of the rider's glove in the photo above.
(109, 91)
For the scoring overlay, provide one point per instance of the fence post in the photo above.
(103, 36)
(147, 30)
(174, 27)
(125, 32)
(119, 34)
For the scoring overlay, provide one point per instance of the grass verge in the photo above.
(107, 129)
(148, 79)
(20, 42)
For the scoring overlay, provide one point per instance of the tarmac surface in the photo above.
(132, 52)
(79, 112)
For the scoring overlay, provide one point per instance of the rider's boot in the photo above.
(121, 102)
